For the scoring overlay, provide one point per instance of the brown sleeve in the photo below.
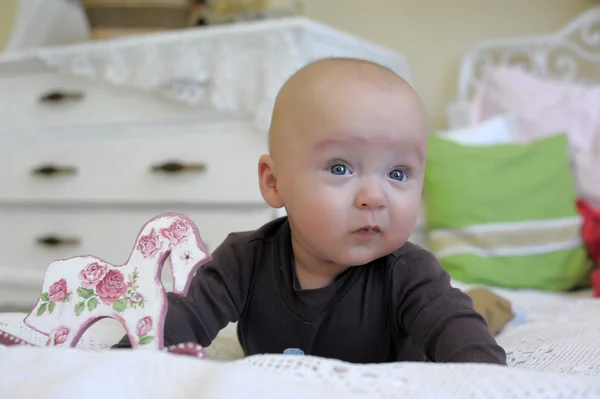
(440, 319)
(216, 297)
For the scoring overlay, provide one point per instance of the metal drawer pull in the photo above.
(56, 241)
(59, 96)
(177, 167)
(53, 170)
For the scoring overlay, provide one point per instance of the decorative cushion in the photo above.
(504, 215)
(499, 129)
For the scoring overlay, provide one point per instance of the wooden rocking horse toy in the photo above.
(79, 291)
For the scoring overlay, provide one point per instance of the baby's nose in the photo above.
(370, 197)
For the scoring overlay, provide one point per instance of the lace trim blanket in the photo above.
(27, 372)
(554, 353)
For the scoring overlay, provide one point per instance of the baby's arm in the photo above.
(216, 297)
(439, 318)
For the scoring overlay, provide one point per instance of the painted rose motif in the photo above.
(61, 334)
(92, 274)
(144, 326)
(112, 287)
(58, 291)
(137, 298)
(177, 232)
(149, 244)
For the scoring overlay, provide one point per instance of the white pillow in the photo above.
(499, 129)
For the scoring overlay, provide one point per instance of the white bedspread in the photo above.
(554, 354)
(63, 373)
(560, 333)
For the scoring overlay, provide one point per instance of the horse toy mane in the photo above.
(79, 291)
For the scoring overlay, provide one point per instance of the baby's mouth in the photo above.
(368, 231)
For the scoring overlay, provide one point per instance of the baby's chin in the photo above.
(361, 257)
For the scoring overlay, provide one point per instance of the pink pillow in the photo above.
(545, 107)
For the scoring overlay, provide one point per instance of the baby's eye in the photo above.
(397, 174)
(339, 169)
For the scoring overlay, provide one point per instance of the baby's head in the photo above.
(347, 156)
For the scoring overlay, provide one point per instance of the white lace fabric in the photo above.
(555, 353)
(236, 69)
(561, 333)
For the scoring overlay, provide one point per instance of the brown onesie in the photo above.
(367, 315)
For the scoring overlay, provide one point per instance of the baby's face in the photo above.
(353, 174)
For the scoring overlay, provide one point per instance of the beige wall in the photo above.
(430, 33)
(7, 11)
(434, 35)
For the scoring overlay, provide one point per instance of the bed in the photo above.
(553, 345)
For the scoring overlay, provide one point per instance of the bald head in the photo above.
(342, 69)
(351, 118)
(337, 79)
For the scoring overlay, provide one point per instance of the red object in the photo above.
(189, 349)
(591, 239)
(7, 339)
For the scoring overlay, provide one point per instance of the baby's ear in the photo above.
(268, 182)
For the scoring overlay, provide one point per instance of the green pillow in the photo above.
(504, 215)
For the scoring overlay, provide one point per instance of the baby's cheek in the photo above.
(404, 216)
(409, 200)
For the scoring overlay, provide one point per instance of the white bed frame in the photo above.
(570, 54)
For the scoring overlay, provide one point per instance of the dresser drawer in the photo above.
(108, 233)
(220, 166)
(87, 103)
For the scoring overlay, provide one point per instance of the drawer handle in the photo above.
(53, 170)
(178, 167)
(59, 96)
(55, 241)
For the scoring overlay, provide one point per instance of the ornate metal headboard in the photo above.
(571, 54)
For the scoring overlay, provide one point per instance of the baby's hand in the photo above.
(496, 310)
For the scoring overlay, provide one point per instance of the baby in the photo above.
(337, 277)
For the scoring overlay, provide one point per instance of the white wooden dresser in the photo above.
(96, 138)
